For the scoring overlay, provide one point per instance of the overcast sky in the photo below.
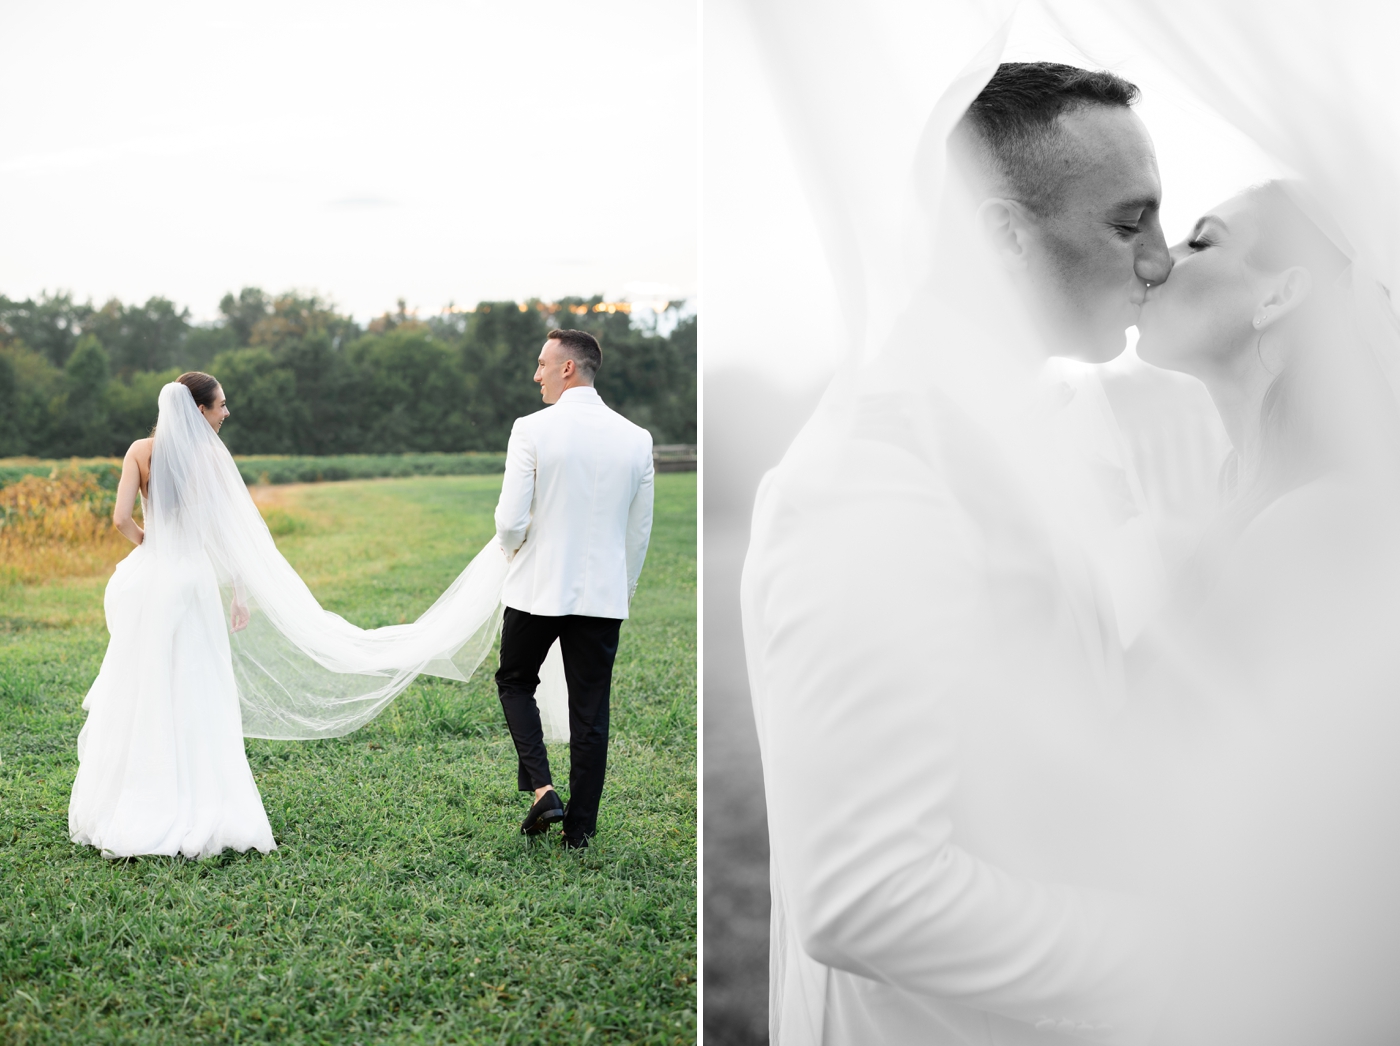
(367, 151)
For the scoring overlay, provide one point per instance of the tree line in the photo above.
(301, 378)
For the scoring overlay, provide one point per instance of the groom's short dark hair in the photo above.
(1015, 118)
(582, 348)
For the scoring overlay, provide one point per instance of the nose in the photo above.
(1154, 261)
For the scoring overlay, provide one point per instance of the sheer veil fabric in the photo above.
(868, 95)
(302, 671)
(178, 692)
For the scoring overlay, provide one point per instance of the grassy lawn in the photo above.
(403, 905)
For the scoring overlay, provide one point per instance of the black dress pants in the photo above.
(589, 646)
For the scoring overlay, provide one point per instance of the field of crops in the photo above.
(55, 516)
(279, 468)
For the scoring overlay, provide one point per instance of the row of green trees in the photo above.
(301, 378)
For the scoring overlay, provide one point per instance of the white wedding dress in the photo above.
(162, 768)
(161, 763)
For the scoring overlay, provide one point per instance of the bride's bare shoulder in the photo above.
(139, 454)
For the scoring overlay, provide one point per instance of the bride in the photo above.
(1279, 654)
(1259, 307)
(161, 763)
(214, 637)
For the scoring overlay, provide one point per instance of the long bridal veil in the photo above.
(302, 671)
(868, 95)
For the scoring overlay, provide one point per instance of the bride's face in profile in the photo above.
(216, 414)
(1202, 318)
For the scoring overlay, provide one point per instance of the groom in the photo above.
(924, 651)
(574, 519)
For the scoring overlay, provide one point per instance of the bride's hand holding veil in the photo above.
(239, 616)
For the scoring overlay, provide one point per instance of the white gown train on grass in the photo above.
(161, 763)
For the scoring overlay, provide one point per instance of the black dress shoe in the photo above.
(547, 810)
(572, 840)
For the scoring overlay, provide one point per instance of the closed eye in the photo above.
(1200, 243)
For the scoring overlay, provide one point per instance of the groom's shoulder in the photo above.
(871, 427)
(556, 425)
(863, 455)
(850, 488)
(625, 424)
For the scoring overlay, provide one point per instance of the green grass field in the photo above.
(403, 905)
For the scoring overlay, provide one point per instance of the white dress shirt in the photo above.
(574, 516)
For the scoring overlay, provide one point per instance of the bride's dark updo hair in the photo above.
(202, 387)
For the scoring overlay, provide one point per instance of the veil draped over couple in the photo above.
(215, 637)
(1030, 779)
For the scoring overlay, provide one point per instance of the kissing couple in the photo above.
(214, 637)
(1000, 812)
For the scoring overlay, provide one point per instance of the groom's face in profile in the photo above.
(1090, 260)
(554, 371)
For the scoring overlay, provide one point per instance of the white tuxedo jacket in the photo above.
(944, 863)
(574, 516)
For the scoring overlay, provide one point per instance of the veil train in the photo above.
(304, 672)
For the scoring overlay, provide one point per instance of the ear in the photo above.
(1286, 292)
(1006, 227)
